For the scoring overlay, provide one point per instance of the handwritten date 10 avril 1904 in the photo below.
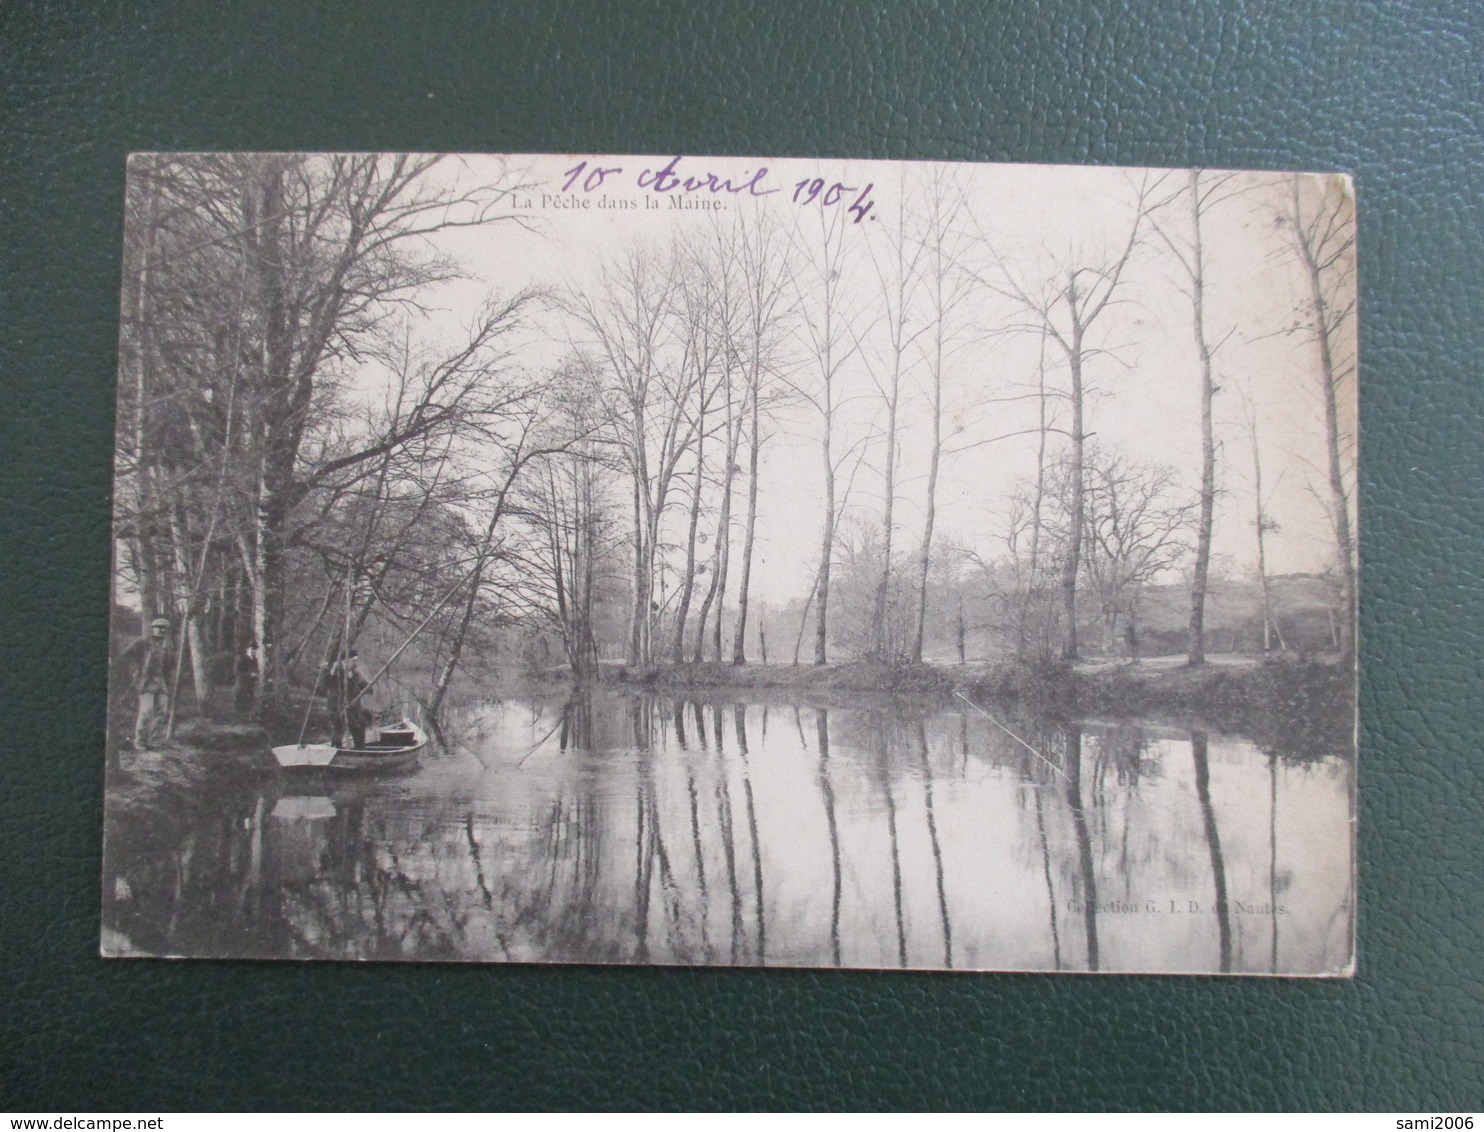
(587, 177)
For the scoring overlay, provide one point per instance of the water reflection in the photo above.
(613, 827)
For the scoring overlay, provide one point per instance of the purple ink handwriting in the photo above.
(675, 180)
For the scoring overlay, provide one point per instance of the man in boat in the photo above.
(347, 687)
(151, 658)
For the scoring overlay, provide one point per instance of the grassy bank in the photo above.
(1306, 703)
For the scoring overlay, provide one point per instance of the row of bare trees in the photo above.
(1091, 518)
(706, 347)
(685, 347)
(275, 502)
(840, 336)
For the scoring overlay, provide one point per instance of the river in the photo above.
(621, 827)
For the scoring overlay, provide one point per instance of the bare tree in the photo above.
(1262, 525)
(276, 273)
(1033, 589)
(254, 285)
(529, 427)
(1036, 535)
(1066, 307)
(574, 514)
(764, 267)
(948, 288)
(627, 315)
(1136, 526)
(898, 277)
(703, 350)
(1203, 192)
(827, 329)
(1321, 226)
(716, 591)
(718, 260)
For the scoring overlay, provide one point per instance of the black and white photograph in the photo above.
(725, 561)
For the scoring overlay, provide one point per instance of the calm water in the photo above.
(630, 828)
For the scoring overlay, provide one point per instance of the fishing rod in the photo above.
(319, 674)
(1010, 733)
(478, 565)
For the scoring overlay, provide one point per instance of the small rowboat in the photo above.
(396, 747)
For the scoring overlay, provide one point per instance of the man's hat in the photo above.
(159, 623)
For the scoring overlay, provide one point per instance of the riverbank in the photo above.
(1290, 704)
(1310, 701)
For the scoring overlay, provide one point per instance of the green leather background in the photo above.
(1391, 93)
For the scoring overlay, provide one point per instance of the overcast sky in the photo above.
(1024, 219)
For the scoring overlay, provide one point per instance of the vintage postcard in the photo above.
(737, 562)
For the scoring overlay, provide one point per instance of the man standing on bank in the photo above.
(151, 657)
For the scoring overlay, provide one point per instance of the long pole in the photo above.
(425, 621)
(319, 672)
(314, 691)
(343, 673)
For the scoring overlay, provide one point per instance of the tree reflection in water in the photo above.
(822, 730)
(1200, 745)
(1086, 874)
(882, 727)
(932, 826)
(739, 718)
(620, 827)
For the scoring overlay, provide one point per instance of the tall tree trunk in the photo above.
(930, 506)
(898, 289)
(1259, 524)
(924, 560)
(1197, 637)
(1326, 323)
(282, 422)
(880, 643)
(961, 634)
(829, 330)
(724, 525)
(1340, 506)
(189, 581)
(450, 666)
(1075, 503)
(827, 544)
(637, 651)
(688, 581)
(1032, 601)
(804, 620)
(587, 644)
(949, 289)
(271, 564)
(144, 550)
(484, 554)
(739, 645)
(702, 620)
(252, 569)
(1084, 306)
(557, 548)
